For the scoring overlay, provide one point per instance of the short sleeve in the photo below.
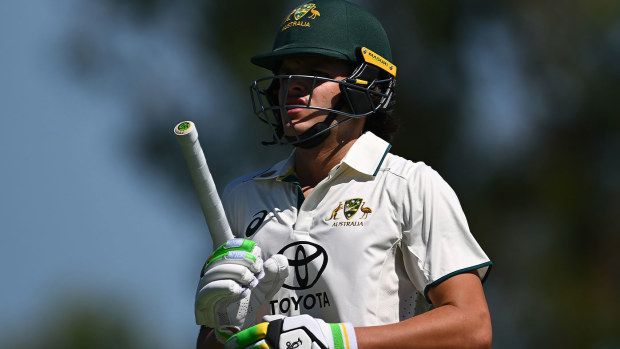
(437, 242)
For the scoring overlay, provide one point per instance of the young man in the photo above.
(361, 248)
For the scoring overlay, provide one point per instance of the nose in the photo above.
(295, 87)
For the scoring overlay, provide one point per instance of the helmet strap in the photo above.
(319, 132)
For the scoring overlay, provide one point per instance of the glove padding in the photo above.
(233, 285)
(296, 332)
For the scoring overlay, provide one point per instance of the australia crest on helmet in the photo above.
(295, 17)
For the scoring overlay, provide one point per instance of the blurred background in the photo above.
(515, 103)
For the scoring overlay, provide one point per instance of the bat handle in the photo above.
(210, 202)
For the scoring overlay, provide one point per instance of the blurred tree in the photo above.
(77, 324)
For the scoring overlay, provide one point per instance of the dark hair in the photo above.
(383, 123)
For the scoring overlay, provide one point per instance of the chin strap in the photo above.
(275, 139)
(316, 134)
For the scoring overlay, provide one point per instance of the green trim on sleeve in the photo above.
(300, 197)
(382, 158)
(291, 177)
(460, 271)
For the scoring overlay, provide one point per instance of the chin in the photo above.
(291, 134)
(288, 131)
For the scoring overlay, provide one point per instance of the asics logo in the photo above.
(259, 217)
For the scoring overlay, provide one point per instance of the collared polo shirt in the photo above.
(366, 244)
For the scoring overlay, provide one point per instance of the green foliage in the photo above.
(81, 324)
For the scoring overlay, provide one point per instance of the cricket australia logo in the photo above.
(349, 209)
(294, 18)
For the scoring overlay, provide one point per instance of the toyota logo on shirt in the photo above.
(306, 261)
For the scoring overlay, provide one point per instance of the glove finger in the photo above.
(276, 271)
(249, 260)
(217, 291)
(270, 318)
(249, 338)
(276, 268)
(261, 344)
(238, 273)
(222, 337)
(237, 251)
(214, 298)
(244, 314)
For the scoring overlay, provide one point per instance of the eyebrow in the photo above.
(312, 68)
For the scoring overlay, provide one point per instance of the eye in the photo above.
(322, 73)
(285, 70)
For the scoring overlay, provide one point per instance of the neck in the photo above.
(313, 165)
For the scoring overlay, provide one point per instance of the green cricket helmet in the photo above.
(336, 29)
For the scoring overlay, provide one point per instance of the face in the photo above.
(298, 91)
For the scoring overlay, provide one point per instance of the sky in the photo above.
(78, 219)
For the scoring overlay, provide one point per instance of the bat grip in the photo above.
(204, 185)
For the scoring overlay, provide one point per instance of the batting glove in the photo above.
(296, 332)
(233, 285)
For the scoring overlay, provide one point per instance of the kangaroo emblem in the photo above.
(366, 211)
(335, 212)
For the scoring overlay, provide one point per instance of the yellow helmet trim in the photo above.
(375, 59)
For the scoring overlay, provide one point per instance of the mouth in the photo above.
(295, 105)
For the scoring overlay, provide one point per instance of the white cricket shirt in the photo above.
(368, 240)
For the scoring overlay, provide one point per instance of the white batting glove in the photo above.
(234, 283)
(296, 332)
